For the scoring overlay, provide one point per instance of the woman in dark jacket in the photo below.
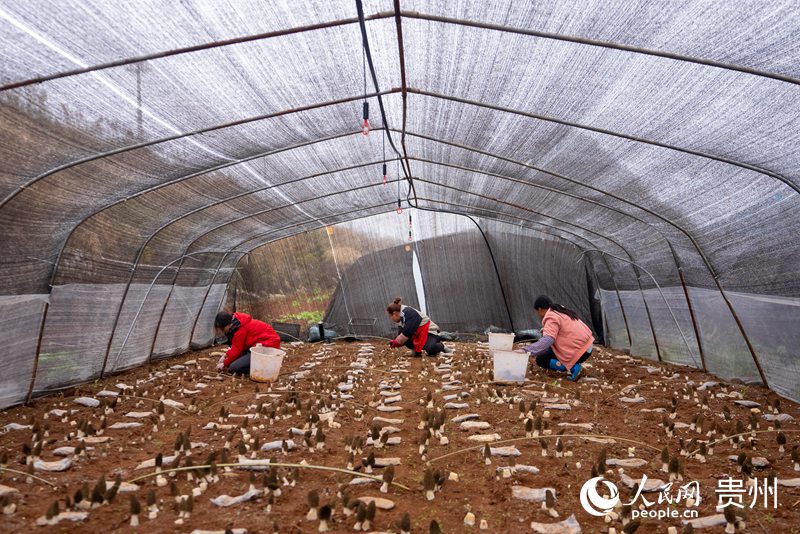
(417, 331)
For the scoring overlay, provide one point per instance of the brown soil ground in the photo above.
(478, 488)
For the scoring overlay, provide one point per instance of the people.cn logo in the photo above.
(593, 503)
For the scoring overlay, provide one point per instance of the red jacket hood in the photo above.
(243, 318)
(251, 332)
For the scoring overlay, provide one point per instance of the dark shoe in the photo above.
(418, 355)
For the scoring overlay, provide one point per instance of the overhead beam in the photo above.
(398, 14)
(190, 49)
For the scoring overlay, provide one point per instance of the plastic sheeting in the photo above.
(359, 304)
(464, 292)
(724, 351)
(133, 340)
(178, 321)
(204, 330)
(616, 331)
(533, 263)
(773, 322)
(21, 317)
(76, 334)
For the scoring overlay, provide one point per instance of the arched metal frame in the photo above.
(398, 15)
(498, 108)
(152, 236)
(715, 276)
(635, 205)
(279, 150)
(666, 302)
(187, 177)
(144, 299)
(243, 244)
(602, 236)
(520, 222)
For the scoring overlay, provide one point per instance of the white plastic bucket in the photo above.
(501, 341)
(510, 366)
(265, 363)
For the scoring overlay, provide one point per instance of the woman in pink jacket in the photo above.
(566, 340)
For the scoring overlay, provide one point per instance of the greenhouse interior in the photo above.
(600, 195)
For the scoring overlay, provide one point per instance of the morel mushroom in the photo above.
(325, 514)
(136, 509)
(549, 503)
(388, 477)
(313, 505)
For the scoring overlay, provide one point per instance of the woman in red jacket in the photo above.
(243, 333)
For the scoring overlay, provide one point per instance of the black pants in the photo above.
(241, 364)
(543, 360)
(433, 345)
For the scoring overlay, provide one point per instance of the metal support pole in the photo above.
(36, 360)
(649, 315)
(694, 320)
(163, 310)
(205, 299)
(621, 305)
(491, 255)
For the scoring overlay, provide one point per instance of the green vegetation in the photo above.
(311, 300)
(308, 316)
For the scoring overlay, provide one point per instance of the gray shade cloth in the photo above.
(159, 160)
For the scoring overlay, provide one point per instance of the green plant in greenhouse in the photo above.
(309, 316)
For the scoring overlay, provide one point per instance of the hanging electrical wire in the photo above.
(412, 194)
(365, 114)
(383, 141)
(399, 207)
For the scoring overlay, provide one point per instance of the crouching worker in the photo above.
(243, 333)
(417, 331)
(566, 340)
